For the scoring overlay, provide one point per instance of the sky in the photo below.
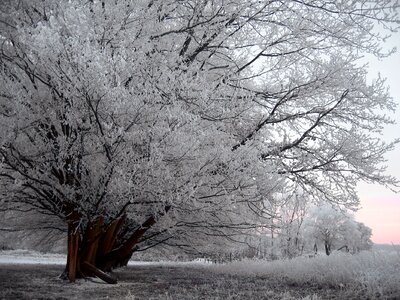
(380, 207)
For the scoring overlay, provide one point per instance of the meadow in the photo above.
(368, 275)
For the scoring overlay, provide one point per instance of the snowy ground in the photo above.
(28, 257)
(31, 257)
(146, 282)
(33, 275)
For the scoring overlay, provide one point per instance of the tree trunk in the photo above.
(327, 248)
(72, 267)
(87, 251)
(102, 246)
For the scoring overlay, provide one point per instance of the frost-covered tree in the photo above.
(140, 123)
(291, 219)
(360, 239)
(286, 236)
(336, 229)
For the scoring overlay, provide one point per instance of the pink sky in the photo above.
(383, 216)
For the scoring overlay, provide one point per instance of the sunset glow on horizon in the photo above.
(382, 215)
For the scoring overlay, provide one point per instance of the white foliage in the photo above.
(211, 108)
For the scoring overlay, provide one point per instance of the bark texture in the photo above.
(102, 246)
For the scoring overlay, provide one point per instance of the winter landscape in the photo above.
(199, 149)
(369, 275)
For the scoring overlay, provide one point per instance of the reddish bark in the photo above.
(72, 267)
(109, 239)
(93, 234)
(101, 248)
(91, 269)
(120, 256)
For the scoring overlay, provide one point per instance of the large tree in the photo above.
(171, 122)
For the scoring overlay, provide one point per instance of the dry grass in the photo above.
(372, 275)
(150, 282)
(369, 275)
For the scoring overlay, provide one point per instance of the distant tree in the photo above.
(361, 240)
(175, 123)
(334, 228)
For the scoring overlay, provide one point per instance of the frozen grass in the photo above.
(373, 274)
(148, 282)
(369, 275)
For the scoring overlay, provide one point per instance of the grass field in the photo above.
(365, 276)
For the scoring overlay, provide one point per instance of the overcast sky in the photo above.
(381, 207)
